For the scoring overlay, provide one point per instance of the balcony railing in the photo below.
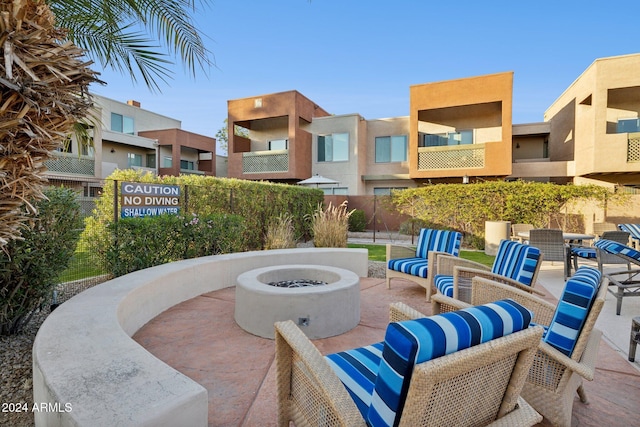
(633, 147)
(451, 157)
(265, 161)
(70, 163)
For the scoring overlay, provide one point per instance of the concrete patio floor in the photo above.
(201, 339)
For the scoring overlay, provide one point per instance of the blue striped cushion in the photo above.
(632, 229)
(438, 240)
(380, 391)
(516, 261)
(358, 370)
(413, 266)
(618, 249)
(444, 284)
(572, 310)
(584, 252)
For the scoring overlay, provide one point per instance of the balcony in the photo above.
(451, 157)
(70, 163)
(633, 147)
(265, 161)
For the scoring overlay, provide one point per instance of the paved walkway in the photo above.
(200, 339)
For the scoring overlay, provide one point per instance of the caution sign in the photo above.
(140, 200)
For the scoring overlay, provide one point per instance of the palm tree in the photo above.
(45, 76)
(136, 37)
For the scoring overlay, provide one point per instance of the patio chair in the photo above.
(551, 244)
(601, 227)
(567, 353)
(519, 228)
(411, 378)
(634, 232)
(626, 281)
(602, 257)
(415, 263)
(516, 264)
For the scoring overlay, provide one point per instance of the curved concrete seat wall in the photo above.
(87, 371)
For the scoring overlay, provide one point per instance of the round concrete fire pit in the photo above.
(321, 310)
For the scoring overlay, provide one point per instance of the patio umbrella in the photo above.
(317, 180)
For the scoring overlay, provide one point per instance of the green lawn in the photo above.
(81, 266)
(378, 253)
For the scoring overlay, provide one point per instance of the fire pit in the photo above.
(324, 301)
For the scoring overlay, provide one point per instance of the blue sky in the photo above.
(361, 56)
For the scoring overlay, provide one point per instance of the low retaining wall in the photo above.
(87, 371)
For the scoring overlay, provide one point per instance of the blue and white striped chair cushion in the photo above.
(513, 260)
(632, 229)
(572, 310)
(516, 261)
(438, 240)
(414, 266)
(584, 252)
(429, 240)
(379, 392)
(616, 248)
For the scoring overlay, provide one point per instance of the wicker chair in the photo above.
(555, 376)
(626, 281)
(516, 264)
(601, 227)
(477, 385)
(519, 228)
(551, 244)
(415, 264)
(602, 257)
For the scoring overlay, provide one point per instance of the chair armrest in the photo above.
(447, 264)
(397, 251)
(522, 415)
(485, 290)
(469, 274)
(295, 352)
(399, 311)
(585, 371)
(438, 301)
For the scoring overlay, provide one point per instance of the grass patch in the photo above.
(378, 253)
(81, 266)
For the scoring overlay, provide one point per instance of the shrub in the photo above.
(357, 221)
(146, 242)
(412, 226)
(280, 233)
(330, 226)
(29, 267)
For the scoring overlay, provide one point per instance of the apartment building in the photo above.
(457, 131)
(125, 136)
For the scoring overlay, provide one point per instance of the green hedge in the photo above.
(145, 242)
(466, 207)
(29, 267)
(258, 203)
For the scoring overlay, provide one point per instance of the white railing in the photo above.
(265, 161)
(70, 163)
(451, 157)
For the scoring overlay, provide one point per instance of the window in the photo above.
(167, 162)
(134, 159)
(151, 160)
(187, 165)
(386, 191)
(391, 149)
(278, 144)
(628, 125)
(336, 191)
(120, 123)
(463, 137)
(333, 148)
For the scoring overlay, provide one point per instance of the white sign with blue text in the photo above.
(141, 200)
